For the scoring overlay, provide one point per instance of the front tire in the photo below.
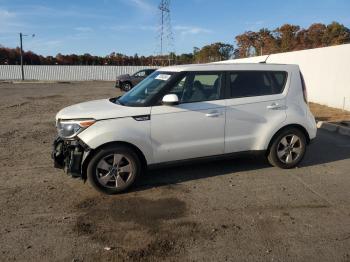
(287, 148)
(114, 169)
(126, 86)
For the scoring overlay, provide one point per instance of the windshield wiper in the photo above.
(115, 100)
(119, 102)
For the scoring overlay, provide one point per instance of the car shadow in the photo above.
(326, 148)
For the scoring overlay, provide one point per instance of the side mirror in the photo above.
(170, 100)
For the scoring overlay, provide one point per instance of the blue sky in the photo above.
(100, 27)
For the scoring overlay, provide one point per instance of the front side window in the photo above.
(142, 93)
(198, 86)
(148, 72)
(256, 83)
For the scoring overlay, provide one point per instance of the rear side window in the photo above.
(256, 83)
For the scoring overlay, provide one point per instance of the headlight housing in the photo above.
(68, 129)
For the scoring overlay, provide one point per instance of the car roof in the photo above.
(228, 66)
(147, 69)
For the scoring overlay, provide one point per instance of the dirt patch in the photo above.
(9, 134)
(17, 105)
(44, 97)
(141, 211)
(135, 212)
(148, 213)
(325, 113)
(84, 228)
(144, 222)
(159, 248)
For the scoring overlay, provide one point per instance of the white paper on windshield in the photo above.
(163, 77)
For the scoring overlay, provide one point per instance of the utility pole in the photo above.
(21, 44)
(21, 52)
(162, 9)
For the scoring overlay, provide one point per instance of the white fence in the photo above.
(326, 72)
(66, 73)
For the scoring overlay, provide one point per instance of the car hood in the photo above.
(100, 109)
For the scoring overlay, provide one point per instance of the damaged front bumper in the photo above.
(68, 155)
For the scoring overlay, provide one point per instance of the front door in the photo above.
(195, 127)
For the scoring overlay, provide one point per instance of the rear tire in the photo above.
(287, 149)
(114, 169)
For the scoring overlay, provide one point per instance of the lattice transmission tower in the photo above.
(165, 33)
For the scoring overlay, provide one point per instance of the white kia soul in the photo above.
(184, 113)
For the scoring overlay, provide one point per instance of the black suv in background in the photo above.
(126, 82)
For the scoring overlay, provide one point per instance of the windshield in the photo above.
(142, 93)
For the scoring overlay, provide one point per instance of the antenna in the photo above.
(264, 62)
(166, 39)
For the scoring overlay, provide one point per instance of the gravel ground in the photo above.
(230, 210)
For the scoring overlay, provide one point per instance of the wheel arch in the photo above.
(92, 152)
(297, 126)
(127, 81)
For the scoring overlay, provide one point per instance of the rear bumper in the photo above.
(68, 155)
(312, 126)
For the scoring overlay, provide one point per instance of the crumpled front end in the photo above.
(68, 155)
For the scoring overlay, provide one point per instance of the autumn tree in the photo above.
(337, 34)
(245, 43)
(214, 52)
(291, 38)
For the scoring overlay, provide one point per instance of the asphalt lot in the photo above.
(229, 210)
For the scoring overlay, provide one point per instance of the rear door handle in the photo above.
(213, 114)
(276, 106)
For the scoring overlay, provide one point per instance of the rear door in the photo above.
(256, 104)
(195, 127)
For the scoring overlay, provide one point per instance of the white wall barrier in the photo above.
(66, 73)
(326, 72)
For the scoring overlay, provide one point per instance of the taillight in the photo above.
(303, 86)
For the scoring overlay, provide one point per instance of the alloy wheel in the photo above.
(115, 171)
(289, 149)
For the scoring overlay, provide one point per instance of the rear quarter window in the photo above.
(256, 83)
